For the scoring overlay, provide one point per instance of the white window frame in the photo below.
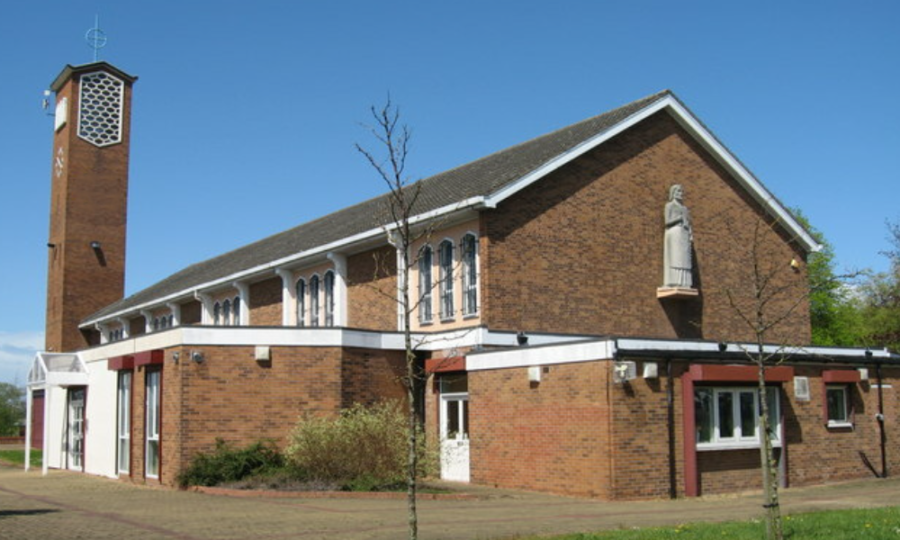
(738, 439)
(426, 283)
(847, 420)
(300, 288)
(328, 286)
(445, 264)
(153, 383)
(123, 450)
(314, 286)
(469, 274)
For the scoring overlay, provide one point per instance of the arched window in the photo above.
(469, 274)
(445, 255)
(226, 313)
(155, 324)
(329, 298)
(301, 302)
(217, 313)
(236, 311)
(170, 320)
(426, 257)
(314, 301)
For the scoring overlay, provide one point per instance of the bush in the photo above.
(229, 464)
(364, 449)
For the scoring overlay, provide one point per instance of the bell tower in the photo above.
(89, 198)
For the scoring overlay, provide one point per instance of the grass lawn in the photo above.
(17, 457)
(875, 524)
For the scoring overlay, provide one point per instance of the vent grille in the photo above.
(100, 109)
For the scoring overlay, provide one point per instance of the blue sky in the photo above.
(246, 113)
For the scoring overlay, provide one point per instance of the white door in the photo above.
(75, 435)
(455, 437)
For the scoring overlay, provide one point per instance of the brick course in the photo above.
(561, 255)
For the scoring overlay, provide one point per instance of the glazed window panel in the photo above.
(301, 302)
(837, 398)
(329, 298)
(236, 310)
(470, 274)
(151, 464)
(124, 423)
(445, 256)
(226, 313)
(425, 284)
(314, 301)
(730, 417)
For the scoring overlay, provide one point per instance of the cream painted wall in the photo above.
(455, 234)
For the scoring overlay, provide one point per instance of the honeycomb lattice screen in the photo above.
(100, 110)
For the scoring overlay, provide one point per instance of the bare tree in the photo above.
(402, 234)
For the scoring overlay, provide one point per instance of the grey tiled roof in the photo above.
(482, 177)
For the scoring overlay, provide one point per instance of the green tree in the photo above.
(834, 308)
(12, 409)
(881, 299)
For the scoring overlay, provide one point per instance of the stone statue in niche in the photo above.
(679, 235)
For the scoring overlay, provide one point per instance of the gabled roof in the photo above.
(483, 183)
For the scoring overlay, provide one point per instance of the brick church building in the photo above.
(579, 317)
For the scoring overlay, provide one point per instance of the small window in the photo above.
(314, 301)
(838, 400)
(425, 284)
(445, 255)
(236, 311)
(329, 298)
(301, 302)
(470, 274)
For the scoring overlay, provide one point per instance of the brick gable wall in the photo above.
(581, 251)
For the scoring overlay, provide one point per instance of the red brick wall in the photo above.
(641, 433)
(369, 376)
(554, 436)
(372, 290)
(561, 255)
(265, 303)
(88, 203)
(819, 454)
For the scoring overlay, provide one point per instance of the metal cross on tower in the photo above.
(96, 38)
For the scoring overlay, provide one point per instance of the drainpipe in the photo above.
(670, 421)
(880, 417)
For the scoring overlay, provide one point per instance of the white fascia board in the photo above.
(573, 153)
(743, 175)
(686, 348)
(291, 260)
(566, 353)
(700, 133)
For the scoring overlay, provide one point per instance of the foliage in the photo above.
(834, 312)
(834, 525)
(364, 449)
(17, 457)
(881, 299)
(12, 409)
(229, 464)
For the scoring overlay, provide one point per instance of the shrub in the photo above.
(229, 464)
(365, 448)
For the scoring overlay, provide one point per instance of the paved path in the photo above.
(67, 505)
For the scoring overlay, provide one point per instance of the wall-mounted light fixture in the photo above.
(95, 245)
(197, 357)
(176, 356)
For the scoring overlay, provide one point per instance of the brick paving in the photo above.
(67, 505)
